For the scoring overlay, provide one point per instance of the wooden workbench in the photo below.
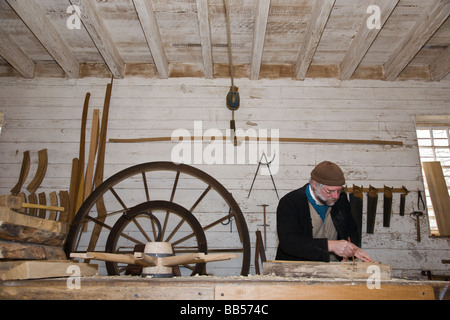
(219, 288)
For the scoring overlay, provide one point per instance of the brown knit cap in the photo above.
(328, 173)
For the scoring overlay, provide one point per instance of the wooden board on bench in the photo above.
(34, 269)
(340, 270)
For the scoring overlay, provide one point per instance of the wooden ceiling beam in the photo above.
(319, 17)
(101, 37)
(259, 34)
(205, 37)
(149, 24)
(426, 25)
(363, 41)
(440, 67)
(15, 56)
(35, 18)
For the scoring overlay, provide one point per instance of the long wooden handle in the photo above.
(246, 138)
(92, 152)
(40, 206)
(145, 260)
(182, 259)
(113, 257)
(195, 258)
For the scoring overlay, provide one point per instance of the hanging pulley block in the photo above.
(233, 98)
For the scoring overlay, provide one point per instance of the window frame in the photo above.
(429, 150)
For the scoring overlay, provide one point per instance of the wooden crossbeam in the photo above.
(15, 56)
(440, 67)
(363, 41)
(319, 17)
(102, 39)
(35, 18)
(205, 37)
(262, 14)
(147, 17)
(427, 24)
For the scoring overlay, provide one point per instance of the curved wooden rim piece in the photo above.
(40, 172)
(25, 169)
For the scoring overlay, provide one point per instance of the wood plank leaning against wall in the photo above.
(46, 113)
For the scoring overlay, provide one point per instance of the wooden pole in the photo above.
(287, 140)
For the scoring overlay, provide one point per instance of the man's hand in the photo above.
(347, 250)
(362, 255)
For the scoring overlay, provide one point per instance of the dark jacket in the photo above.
(294, 228)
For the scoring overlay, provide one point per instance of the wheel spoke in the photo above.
(200, 199)
(175, 230)
(166, 220)
(138, 225)
(175, 184)
(144, 178)
(118, 198)
(183, 250)
(104, 225)
(228, 216)
(172, 195)
(188, 266)
(183, 239)
(123, 268)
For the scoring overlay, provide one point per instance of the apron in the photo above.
(323, 229)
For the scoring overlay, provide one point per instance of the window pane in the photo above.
(423, 134)
(442, 154)
(440, 134)
(426, 153)
(441, 142)
(446, 172)
(424, 142)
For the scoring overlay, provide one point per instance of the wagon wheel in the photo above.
(116, 243)
(162, 201)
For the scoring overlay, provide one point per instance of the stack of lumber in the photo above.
(31, 247)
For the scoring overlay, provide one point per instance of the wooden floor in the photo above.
(218, 288)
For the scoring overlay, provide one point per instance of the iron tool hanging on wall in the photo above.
(233, 100)
(403, 200)
(418, 213)
(387, 206)
(267, 163)
(356, 204)
(372, 200)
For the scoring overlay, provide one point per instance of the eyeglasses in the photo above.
(330, 192)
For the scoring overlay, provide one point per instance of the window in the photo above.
(434, 145)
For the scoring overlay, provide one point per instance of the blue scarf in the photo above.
(321, 209)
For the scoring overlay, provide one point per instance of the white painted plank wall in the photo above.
(46, 113)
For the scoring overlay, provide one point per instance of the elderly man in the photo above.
(315, 223)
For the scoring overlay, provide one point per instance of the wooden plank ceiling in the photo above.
(271, 39)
